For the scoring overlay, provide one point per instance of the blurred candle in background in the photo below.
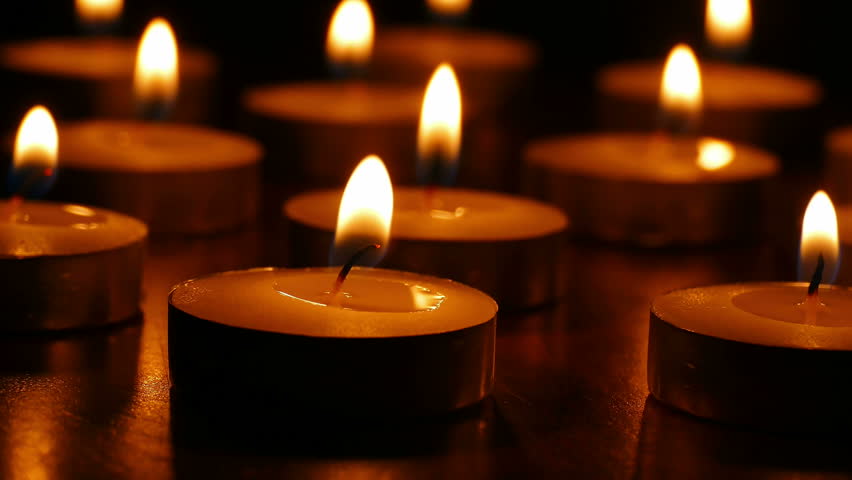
(315, 131)
(177, 177)
(93, 75)
(770, 108)
(669, 187)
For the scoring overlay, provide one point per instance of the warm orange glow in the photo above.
(819, 236)
(156, 76)
(439, 134)
(366, 207)
(37, 141)
(681, 89)
(450, 8)
(714, 154)
(350, 34)
(727, 23)
(98, 11)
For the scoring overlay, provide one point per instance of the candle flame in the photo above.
(37, 141)
(681, 89)
(714, 154)
(350, 35)
(727, 23)
(819, 237)
(366, 209)
(93, 12)
(439, 133)
(156, 77)
(449, 8)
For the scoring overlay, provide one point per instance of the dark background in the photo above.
(261, 41)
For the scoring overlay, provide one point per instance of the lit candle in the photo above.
(66, 266)
(769, 354)
(91, 76)
(502, 244)
(297, 122)
(178, 178)
(656, 189)
(771, 108)
(492, 66)
(373, 342)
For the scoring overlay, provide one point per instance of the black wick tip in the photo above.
(347, 267)
(813, 288)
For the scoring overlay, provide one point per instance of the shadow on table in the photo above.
(264, 432)
(676, 445)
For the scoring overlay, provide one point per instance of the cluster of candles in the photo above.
(390, 340)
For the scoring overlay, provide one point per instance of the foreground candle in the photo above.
(313, 130)
(66, 266)
(396, 342)
(91, 76)
(178, 178)
(746, 103)
(343, 341)
(768, 354)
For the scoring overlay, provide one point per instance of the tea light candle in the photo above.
(375, 342)
(178, 178)
(92, 76)
(767, 354)
(767, 107)
(501, 244)
(655, 189)
(313, 131)
(652, 190)
(492, 66)
(67, 266)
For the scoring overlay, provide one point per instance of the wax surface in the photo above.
(93, 58)
(358, 103)
(35, 229)
(761, 313)
(644, 157)
(464, 49)
(724, 86)
(153, 147)
(450, 214)
(373, 303)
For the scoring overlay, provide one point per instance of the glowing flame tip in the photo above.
(819, 237)
(350, 34)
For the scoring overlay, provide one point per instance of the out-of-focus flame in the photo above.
(156, 78)
(449, 8)
(349, 42)
(819, 237)
(439, 133)
(37, 141)
(714, 154)
(680, 94)
(366, 209)
(93, 12)
(727, 23)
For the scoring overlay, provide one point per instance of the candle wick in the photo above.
(816, 279)
(347, 267)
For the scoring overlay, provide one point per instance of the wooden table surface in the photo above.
(570, 401)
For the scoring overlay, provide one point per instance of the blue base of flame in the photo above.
(30, 181)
